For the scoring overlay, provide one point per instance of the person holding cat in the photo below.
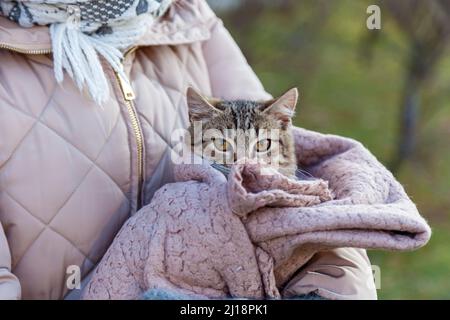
(90, 93)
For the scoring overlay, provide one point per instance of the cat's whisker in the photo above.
(220, 167)
(300, 173)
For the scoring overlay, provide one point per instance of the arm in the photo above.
(343, 273)
(9, 284)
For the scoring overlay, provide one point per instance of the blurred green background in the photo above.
(352, 82)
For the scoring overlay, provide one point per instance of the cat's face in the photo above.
(225, 131)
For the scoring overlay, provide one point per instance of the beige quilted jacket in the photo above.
(71, 172)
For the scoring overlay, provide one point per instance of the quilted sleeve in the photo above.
(9, 284)
(343, 273)
(230, 75)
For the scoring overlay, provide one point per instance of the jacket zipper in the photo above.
(128, 95)
(24, 51)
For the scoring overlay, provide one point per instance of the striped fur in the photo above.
(248, 121)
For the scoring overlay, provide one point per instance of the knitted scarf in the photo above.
(82, 31)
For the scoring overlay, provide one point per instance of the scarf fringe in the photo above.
(79, 55)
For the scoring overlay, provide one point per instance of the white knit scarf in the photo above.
(83, 30)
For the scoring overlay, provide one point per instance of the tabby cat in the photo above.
(224, 131)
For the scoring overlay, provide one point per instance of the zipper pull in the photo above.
(127, 90)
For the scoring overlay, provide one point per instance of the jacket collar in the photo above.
(26, 40)
(186, 21)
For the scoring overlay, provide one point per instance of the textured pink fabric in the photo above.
(246, 236)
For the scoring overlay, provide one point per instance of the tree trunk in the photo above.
(410, 108)
(407, 139)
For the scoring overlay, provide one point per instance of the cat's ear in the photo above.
(200, 107)
(283, 108)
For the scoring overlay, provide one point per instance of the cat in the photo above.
(223, 131)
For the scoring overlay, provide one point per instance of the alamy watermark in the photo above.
(373, 21)
(376, 277)
(73, 280)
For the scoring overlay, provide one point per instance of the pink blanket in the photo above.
(208, 237)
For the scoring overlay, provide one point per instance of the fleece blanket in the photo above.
(206, 236)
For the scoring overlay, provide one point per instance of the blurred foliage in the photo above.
(318, 46)
(426, 26)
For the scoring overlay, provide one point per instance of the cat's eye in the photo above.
(263, 145)
(222, 145)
